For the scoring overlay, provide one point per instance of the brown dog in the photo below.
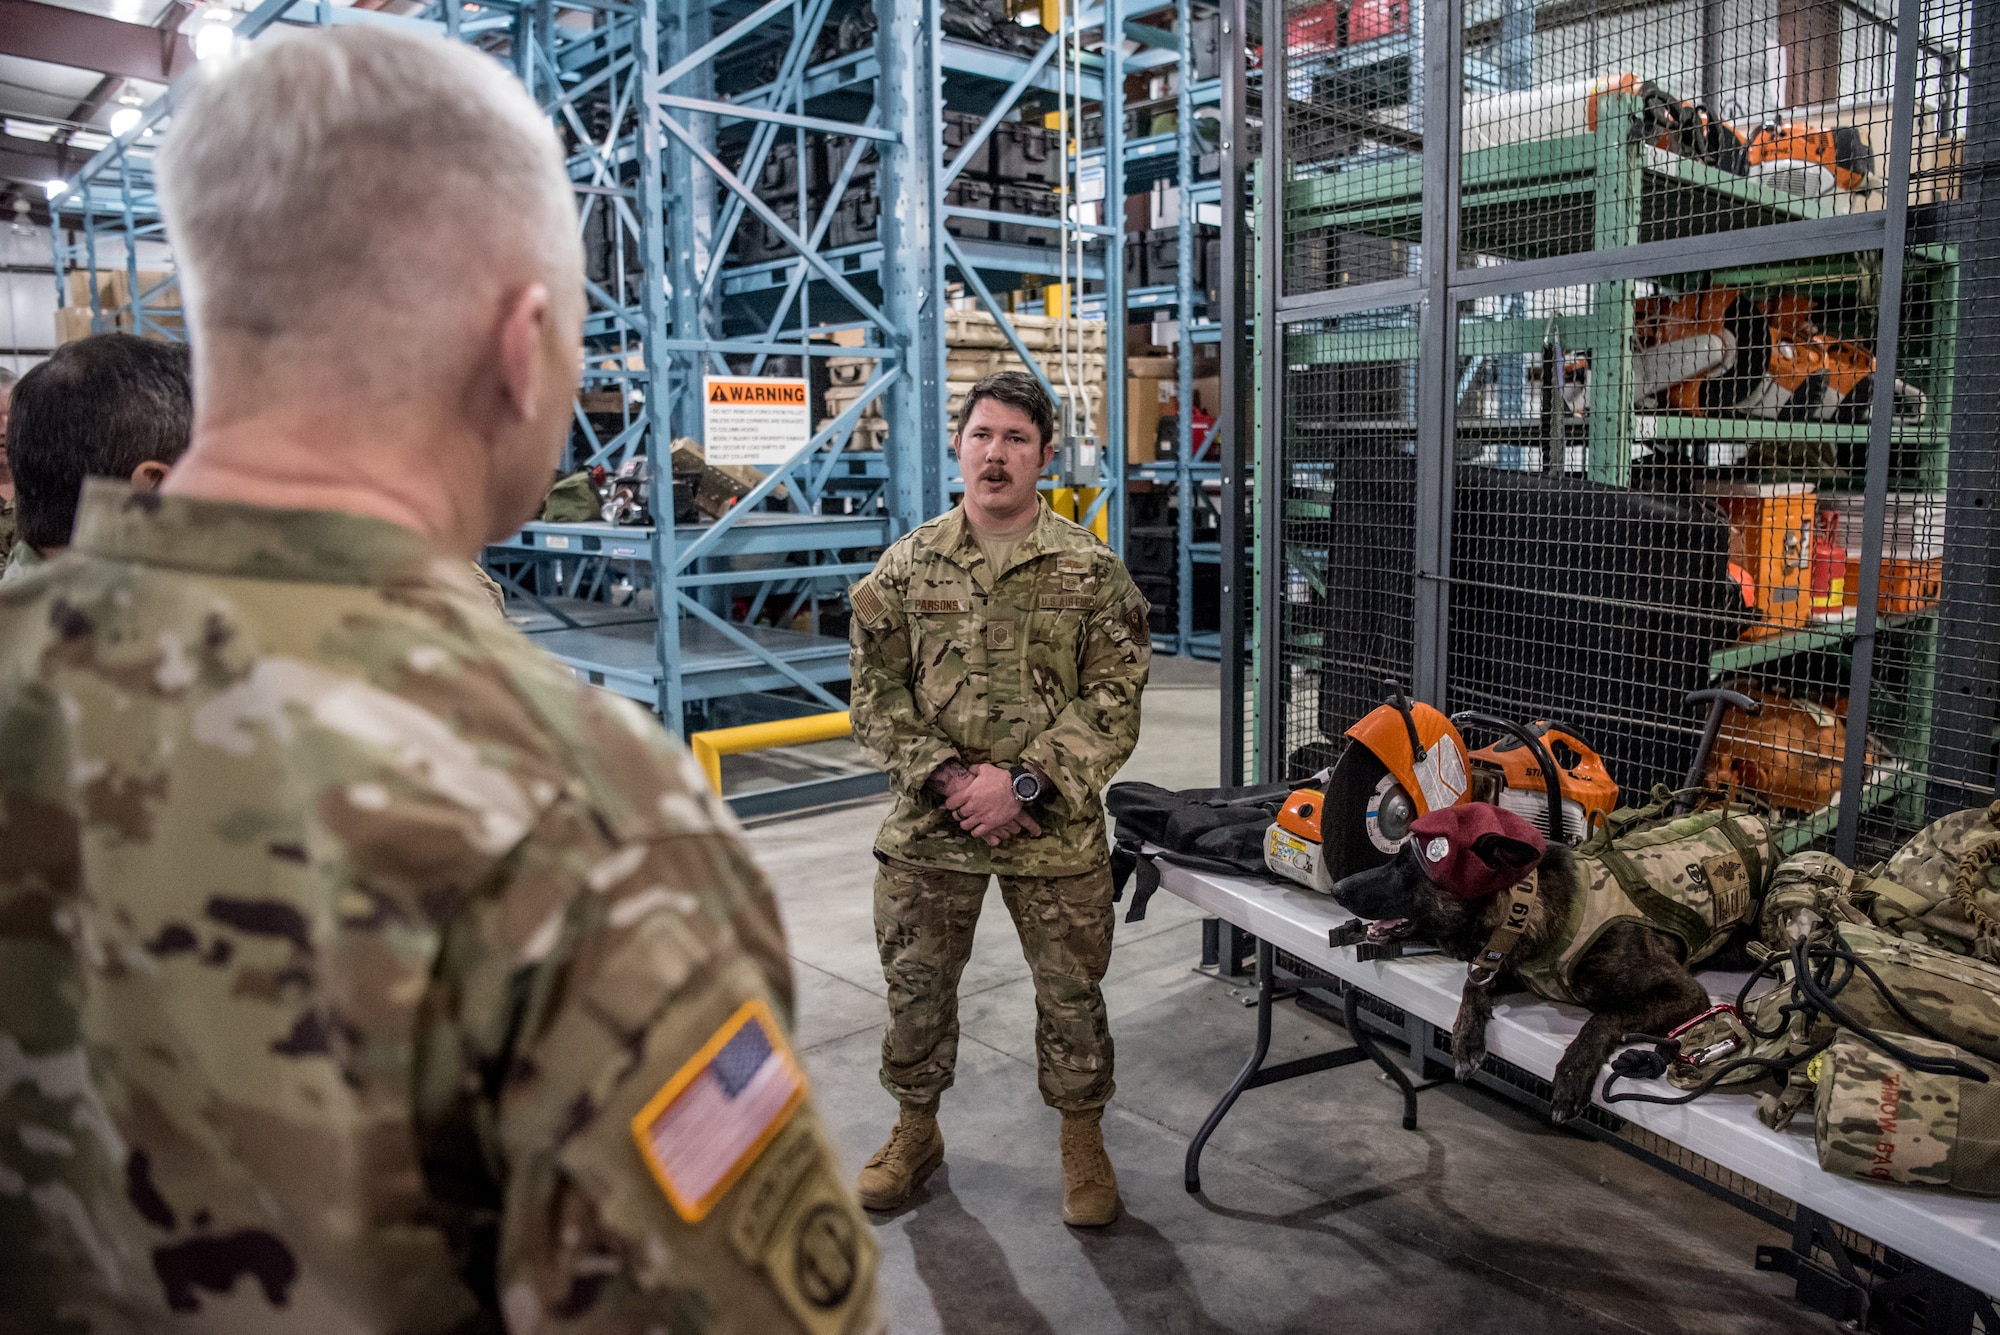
(1481, 884)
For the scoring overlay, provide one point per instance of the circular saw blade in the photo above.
(1346, 846)
(1390, 811)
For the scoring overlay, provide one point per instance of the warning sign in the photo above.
(754, 419)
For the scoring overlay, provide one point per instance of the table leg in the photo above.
(1191, 1173)
(1357, 1031)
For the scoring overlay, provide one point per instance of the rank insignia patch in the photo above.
(718, 1112)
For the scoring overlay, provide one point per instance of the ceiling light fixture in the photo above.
(123, 121)
(214, 35)
(55, 186)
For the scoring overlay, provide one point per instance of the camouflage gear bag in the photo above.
(1875, 1117)
(1853, 983)
(1943, 885)
(1807, 889)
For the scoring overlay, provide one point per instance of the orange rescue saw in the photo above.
(1589, 793)
(1406, 759)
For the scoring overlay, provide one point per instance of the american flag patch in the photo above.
(718, 1112)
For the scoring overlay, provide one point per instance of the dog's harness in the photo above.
(1693, 878)
(1486, 965)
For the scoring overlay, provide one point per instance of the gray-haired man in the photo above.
(364, 971)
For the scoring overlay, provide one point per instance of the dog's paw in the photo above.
(1571, 1095)
(1467, 1058)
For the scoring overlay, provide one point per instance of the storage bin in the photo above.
(1771, 541)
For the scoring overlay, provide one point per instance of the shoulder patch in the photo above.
(868, 604)
(710, 1121)
(1134, 615)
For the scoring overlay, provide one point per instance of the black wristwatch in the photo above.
(1027, 788)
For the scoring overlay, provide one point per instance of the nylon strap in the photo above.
(1675, 917)
(1753, 861)
(1147, 873)
(1486, 965)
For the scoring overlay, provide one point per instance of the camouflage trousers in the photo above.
(923, 926)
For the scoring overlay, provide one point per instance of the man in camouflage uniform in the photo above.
(361, 970)
(998, 657)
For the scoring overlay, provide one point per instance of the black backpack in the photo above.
(1208, 829)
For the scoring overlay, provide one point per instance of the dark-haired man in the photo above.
(998, 657)
(111, 405)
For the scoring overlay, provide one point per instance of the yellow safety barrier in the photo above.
(1074, 503)
(710, 747)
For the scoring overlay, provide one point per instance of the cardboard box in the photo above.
(1147, 400)
(1771, 540)
(1153, 368)
(72, 323)
(114, 294)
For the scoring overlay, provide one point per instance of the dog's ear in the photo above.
(1499, 850)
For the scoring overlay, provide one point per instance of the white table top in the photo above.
(1957, 1235)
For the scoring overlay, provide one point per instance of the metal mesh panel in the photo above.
(1250, 135)
(1938, 675)
(1353, 130)
(1589, 126)
(1349, 517)
(1702, 526)
(1662, 482)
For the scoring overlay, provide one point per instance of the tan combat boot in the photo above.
(915, 1149)
(1090, 1187)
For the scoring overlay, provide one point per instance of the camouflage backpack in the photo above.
(1944, 885)
(1806, 890)
(1856, 1014)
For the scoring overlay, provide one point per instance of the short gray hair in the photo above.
(333, 176)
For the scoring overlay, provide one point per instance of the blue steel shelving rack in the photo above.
(1173, 156)
(632, 84)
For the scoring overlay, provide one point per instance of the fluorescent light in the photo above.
(88, 140)
(55, 186)
(34, 130)
(213, 35)
(124, 120)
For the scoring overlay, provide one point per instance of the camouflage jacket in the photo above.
(361, 970)
(1041, 663)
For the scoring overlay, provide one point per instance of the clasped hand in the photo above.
(984, 804)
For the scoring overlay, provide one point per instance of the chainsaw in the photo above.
(1405, 759)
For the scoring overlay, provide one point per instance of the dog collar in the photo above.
(1486, 965)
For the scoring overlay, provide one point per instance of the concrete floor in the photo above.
(1319, 1211)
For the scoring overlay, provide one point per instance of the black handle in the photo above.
(1720, 700)
(1551, 776)
(1402, 703)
